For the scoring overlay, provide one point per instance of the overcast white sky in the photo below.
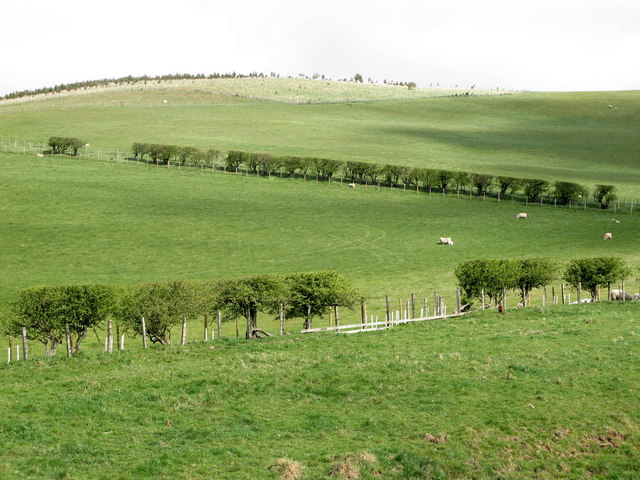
(518, 44)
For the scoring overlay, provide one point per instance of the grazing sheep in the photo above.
(39, 155)
(620, 295)
(607, 236)
(636, 296)
(352, 185)
(165, 101)
(521, 215)
(446, 241)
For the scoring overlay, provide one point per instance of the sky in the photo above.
(541, 45)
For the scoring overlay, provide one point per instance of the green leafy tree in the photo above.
(246, 296)
(45, 311)
(490, 276)
(291, 165)
(357, 78)
(162, 304)
(482, 182)
(325, 168)
(429, 178)
(533, 273)
(391, 174)
(565, 192)
(312, 294)
(604, 195)
(444, 178)
(534, 188)
(595, 271)
(269, 164)
(508, 183)
(371, 172)
(462, 180)
(234, 159)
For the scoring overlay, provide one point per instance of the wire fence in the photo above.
(113, 155)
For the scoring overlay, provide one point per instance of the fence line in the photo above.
(118, 156)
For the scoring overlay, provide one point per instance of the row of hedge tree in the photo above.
(47, 312)
(492, 277)
(440, 180)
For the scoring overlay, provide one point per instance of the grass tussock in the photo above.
(288, 469)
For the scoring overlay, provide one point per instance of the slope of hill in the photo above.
(76, 220)
(554, 136)
(551, 393)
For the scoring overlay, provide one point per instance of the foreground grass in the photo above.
(554, 136)
(536, 393)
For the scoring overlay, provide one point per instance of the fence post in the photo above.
(388, 313)
(413, 306)
(206, 327)
(25, 346)
(623, 292)
(335, 310)
(482, 294)
(219, 324)
(281, 318)
(426, 307)
(436, 305)
(144, 333)
(363, 312)
(579, 291)
(609, 291)
(562, 292)
(109, 336)
(67, 338)
(183, 339)
(10, 355)
(458, 306)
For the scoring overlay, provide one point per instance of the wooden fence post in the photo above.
(144, 333)
(609, 291)
(67, 338)
(219, 324)
(363, 312)
(426, 307)
(388, 312)
(436, 305)
(579, 291)
(281, 318)
(335, 311)
(562, 292)
(183, 338)
(413, 306)
(109, 336)
(25, 346)
(10, 354)
(624, 294)
(206, 327)
(482, 294)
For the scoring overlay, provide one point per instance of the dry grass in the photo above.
(288, 469)
(287, 90)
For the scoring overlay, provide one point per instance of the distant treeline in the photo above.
(428, 179)
(127, 80)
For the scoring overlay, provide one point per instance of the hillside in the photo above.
(547, 393)
(554, 136)
(77, 220)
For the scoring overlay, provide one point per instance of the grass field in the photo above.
(73, 220)
(555, 136)
(538, 393)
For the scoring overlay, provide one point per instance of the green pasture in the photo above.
(537, 393)
(68, 220)
(555, 136)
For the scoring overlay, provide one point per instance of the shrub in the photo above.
(595, 271)
(604, 195)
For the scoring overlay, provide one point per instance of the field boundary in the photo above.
(109, 155)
